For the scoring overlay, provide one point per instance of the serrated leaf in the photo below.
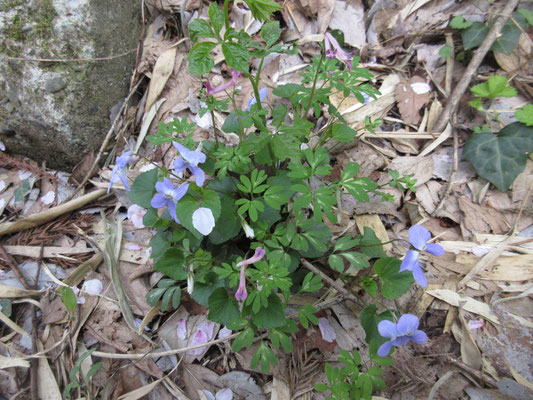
(525, 114)
(474, 35)
(236, 56)
(143, 188)
(200, 28)
(216, 16)
(393, 282)
(223, 307)
(500, 158)
(262, 9)
(271, 32)
(200, 60)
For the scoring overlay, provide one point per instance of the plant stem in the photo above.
(214, 127)
(314, 86)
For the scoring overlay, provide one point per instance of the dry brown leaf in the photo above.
(80, 171)
(467, 303)
(162, 70)
(519, 60)
(47, 386)
(348, 17)
(9, 362)
(421, 169)
(481, 218)
(409, 101)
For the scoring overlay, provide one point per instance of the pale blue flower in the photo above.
(119, 171)
(401, 333)
(262, 96)
(419, 237)
(168, 195)
(189, 159)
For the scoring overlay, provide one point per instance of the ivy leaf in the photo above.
(200, 28)
(270, 33)
(236, 56)
(474, 35)
(510, 34)
(216, 16)
(525, 114)
(500, 158)
(223, 307)
(262, 9)
(172, 264)
(393, 282)
(459, 22)
(143, 188)
(200, 60)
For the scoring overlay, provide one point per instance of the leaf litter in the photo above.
(399, 42)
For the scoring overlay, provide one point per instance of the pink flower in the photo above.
(337, 51)
(226, 85)
(203, 334)
(241, 293)
(135, 215)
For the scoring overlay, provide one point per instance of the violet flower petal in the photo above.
(419, 236)
(387, 328)
(159, 201)
(435, 249)
(407, 324)
(419, 276)
(199, 175)
(384, 349)
(410, 260)
(326, 330)
(419, 337)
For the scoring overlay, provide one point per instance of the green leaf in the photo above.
(227, 225)
(262, 9)
(509, 35)
(500, 158)
(481, 90)
(287, 90)
(445, 51)
(359, 188)
(153, 296)
(497, 86)
(200, 28)
(474, 35)
(270, 33)
(223, 307)
(336, 262)
(525, 114)
(275, 197)
(459, 22)
(278, 114)
(264, 356)
(369, 322)
(245, 338)
(69, 299)
(358, 260)
(278, 337)
(345, 243)
(343, 133)
(311, 283)
(172, 264)
(350, 171)
(393, 282)
(371, 245)
(272, 316)
(200, 60)
(236, 56)
(143, 188)
(527, 14)
(216, 16)
(306, 314)
(370, 286)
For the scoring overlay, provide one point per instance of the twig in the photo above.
(105, 142)
(68, 59)
(488, 380)
(339, 288)
(14, 267)
(49, 215)
(455, 165)
(481, 52)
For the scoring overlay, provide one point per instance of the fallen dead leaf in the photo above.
(162, 70)
(465, 302)
(410, 100)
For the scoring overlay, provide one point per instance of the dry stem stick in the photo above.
(332, 283)
(481, 52)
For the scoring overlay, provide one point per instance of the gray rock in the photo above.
(54, 85)
(57, 111)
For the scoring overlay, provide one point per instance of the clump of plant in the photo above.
(236, 223)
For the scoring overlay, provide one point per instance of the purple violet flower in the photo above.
(119, 171)
(337, 51)
(262, 96)
(232, 82)
(419, 237)
(168, 195)
(241, 293)
(189, 159)
(401, 333)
